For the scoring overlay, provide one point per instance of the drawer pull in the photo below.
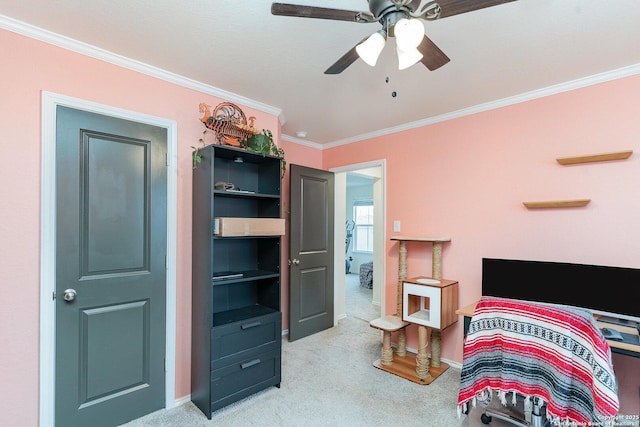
(251, 325)
(250, 364)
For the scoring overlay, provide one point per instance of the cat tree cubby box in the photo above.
(430, 302)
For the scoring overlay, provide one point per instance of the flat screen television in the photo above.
(601, 289)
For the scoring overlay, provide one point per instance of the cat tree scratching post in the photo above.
(401, 350)
(409, 366)
(436, 273)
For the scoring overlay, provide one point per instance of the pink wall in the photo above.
(467, 178)
(29, 67)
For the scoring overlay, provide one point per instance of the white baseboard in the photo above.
(182, 400)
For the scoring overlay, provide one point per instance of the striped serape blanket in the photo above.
(545, 351)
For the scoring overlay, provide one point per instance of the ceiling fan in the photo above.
(399, 19)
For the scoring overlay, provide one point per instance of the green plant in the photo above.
(263, 143)
(196, 157)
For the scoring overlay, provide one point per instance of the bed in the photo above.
(366, 275)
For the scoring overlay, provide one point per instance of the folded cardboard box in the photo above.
(229, 227)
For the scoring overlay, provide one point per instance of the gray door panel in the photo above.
(110, 249)
(311, 279)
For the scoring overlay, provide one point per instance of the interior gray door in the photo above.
(110, 269)
(311, 251)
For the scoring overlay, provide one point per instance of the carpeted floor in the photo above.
(328, 380)
(358, 300)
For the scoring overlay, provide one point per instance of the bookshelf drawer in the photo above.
(238, 337)
(244, 376)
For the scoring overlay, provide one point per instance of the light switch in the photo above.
(396, 226)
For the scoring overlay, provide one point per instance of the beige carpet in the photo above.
(358, 300)
(328, 380)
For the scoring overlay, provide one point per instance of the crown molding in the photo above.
(300, 141)
(512, 100)
(64, 42)
(86, 49)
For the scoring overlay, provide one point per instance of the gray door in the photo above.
(110, 269)
(311, 251)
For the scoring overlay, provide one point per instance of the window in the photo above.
(363, 231)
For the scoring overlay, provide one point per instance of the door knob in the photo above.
(69, 295)
(294, 261)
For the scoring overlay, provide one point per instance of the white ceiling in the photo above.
(238, 46)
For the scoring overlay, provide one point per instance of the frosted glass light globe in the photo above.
(370, 49)
(409, 33)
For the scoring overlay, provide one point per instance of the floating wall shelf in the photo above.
(595, 158)
(557, 204)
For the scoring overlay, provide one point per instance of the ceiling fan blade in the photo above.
(285, 9)
(456, 7)
(432, 57)
(347, 59)
(414, 4)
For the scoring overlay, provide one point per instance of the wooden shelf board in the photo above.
(557, 204)
(421, 239)
(468, 310)
(595, 158)
(405, 367)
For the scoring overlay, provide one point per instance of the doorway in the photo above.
(50, 104)
(370, 177)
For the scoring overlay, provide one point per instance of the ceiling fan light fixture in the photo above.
(370, 49)
(409, 33)
(407, 58)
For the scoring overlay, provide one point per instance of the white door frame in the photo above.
(48, 233)
(379, 231)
